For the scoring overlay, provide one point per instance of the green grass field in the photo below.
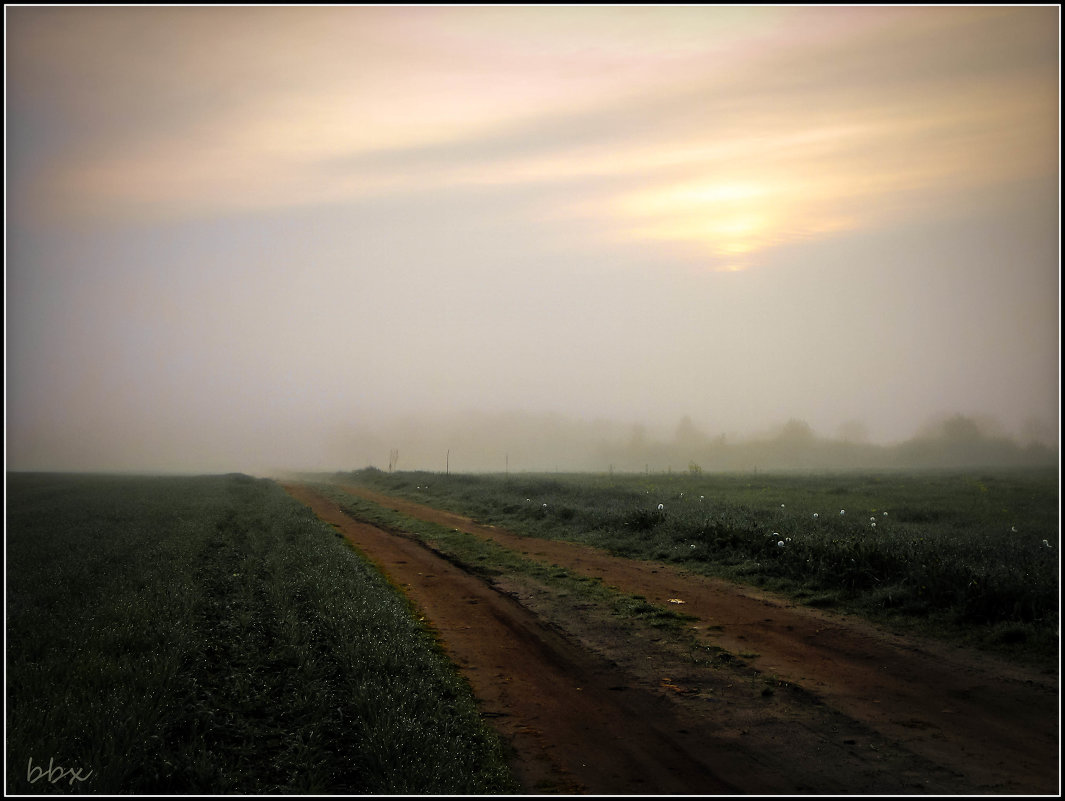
(210, 635)
(969, 557)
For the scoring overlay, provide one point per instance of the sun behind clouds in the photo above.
(728, 218)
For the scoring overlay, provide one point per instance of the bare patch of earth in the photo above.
(816, 703)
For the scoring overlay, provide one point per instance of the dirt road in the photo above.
(591, 710)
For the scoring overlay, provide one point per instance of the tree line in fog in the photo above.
(515, 442)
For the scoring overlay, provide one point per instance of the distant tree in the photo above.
(687, 433)
(1037, 431)
(960, 428)
(796, 431)
(694, 469)
(854, 431)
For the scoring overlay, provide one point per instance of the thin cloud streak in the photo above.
(257, 142)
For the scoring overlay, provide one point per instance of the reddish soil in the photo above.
(590, 706)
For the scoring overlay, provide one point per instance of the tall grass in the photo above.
(968, 556)
(209, 635)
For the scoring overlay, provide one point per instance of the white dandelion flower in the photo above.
(780, 544)
(661, 507)
(815, 515)
(842, 511)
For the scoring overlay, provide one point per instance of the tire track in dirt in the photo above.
(556, 703)
(993, 724)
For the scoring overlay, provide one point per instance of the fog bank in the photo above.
(502, 442)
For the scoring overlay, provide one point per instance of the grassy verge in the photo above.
(489, 560)
(210, 635)
(971, 558)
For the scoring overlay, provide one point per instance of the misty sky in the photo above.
(236, 237)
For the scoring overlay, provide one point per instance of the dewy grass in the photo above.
(489, 559)
(970, 557)
(209, 635)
